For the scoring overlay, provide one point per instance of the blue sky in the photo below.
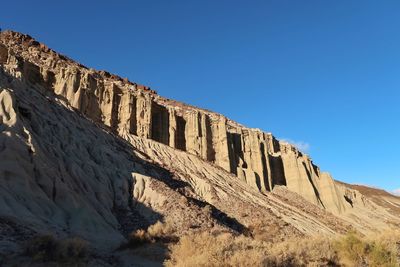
(324, 74)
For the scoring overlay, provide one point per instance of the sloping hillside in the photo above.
(86, 153)
(61, 173)
(255, 157)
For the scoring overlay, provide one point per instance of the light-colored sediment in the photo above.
(128, 108)
(84, 152)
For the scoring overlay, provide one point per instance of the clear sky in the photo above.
(324, 74)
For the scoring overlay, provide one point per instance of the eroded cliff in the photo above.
(86, 153)
(127, 108)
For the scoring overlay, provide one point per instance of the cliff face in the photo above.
(255, 157)
(85, 153)
(64, 174)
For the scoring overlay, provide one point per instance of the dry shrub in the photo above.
(47, 248)
(310, 251)
(264, 231)
(72, 249)
(158, 232)
(207, 209)
(349, 250)
(352, 249)
(138, 238)
(379, 250)
(41, 248)
(389, 241)
(206, 249)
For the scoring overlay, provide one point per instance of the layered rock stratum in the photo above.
(87, 153)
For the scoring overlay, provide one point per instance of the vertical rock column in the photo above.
(193, 133)
(67, 85)
(196, 131)
(277, 174)
(272, 143)
(220, 143)
(235, 147)
(330, 194)
(180, 139)
(204, 128)
(115, 106)
(297, 173)
(133, 114)
(32, 74)
(172, 127)
(265, 163)
(143, 115)
(89, 92)
(255, 169)
(127, 113)
(160, 123)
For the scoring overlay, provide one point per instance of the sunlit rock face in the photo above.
(255, 157)
(86, 153)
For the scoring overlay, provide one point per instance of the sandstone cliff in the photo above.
(255, 157)
(87, 153)
(64, 174)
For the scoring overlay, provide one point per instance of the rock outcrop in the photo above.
(64, 174)
(86, 153)
(255, 157)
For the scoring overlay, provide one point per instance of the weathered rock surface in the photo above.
(84, 152)
(128, 108)
(64, 174)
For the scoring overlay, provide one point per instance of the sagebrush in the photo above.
(352, 249)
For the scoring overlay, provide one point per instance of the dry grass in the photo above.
(158, 232)
(375, 251)
(311, 251)
(207, 249)
(47, 248)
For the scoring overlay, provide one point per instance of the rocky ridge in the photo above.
(255, 157)
(84, 152)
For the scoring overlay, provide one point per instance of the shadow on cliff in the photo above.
(165, 176)
(131, 216)
(136, 216)
(316, 192)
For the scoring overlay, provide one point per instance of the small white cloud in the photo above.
(301, 145)
(396, 191)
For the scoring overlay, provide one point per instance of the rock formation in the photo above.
(256, 157)
(87, 153)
